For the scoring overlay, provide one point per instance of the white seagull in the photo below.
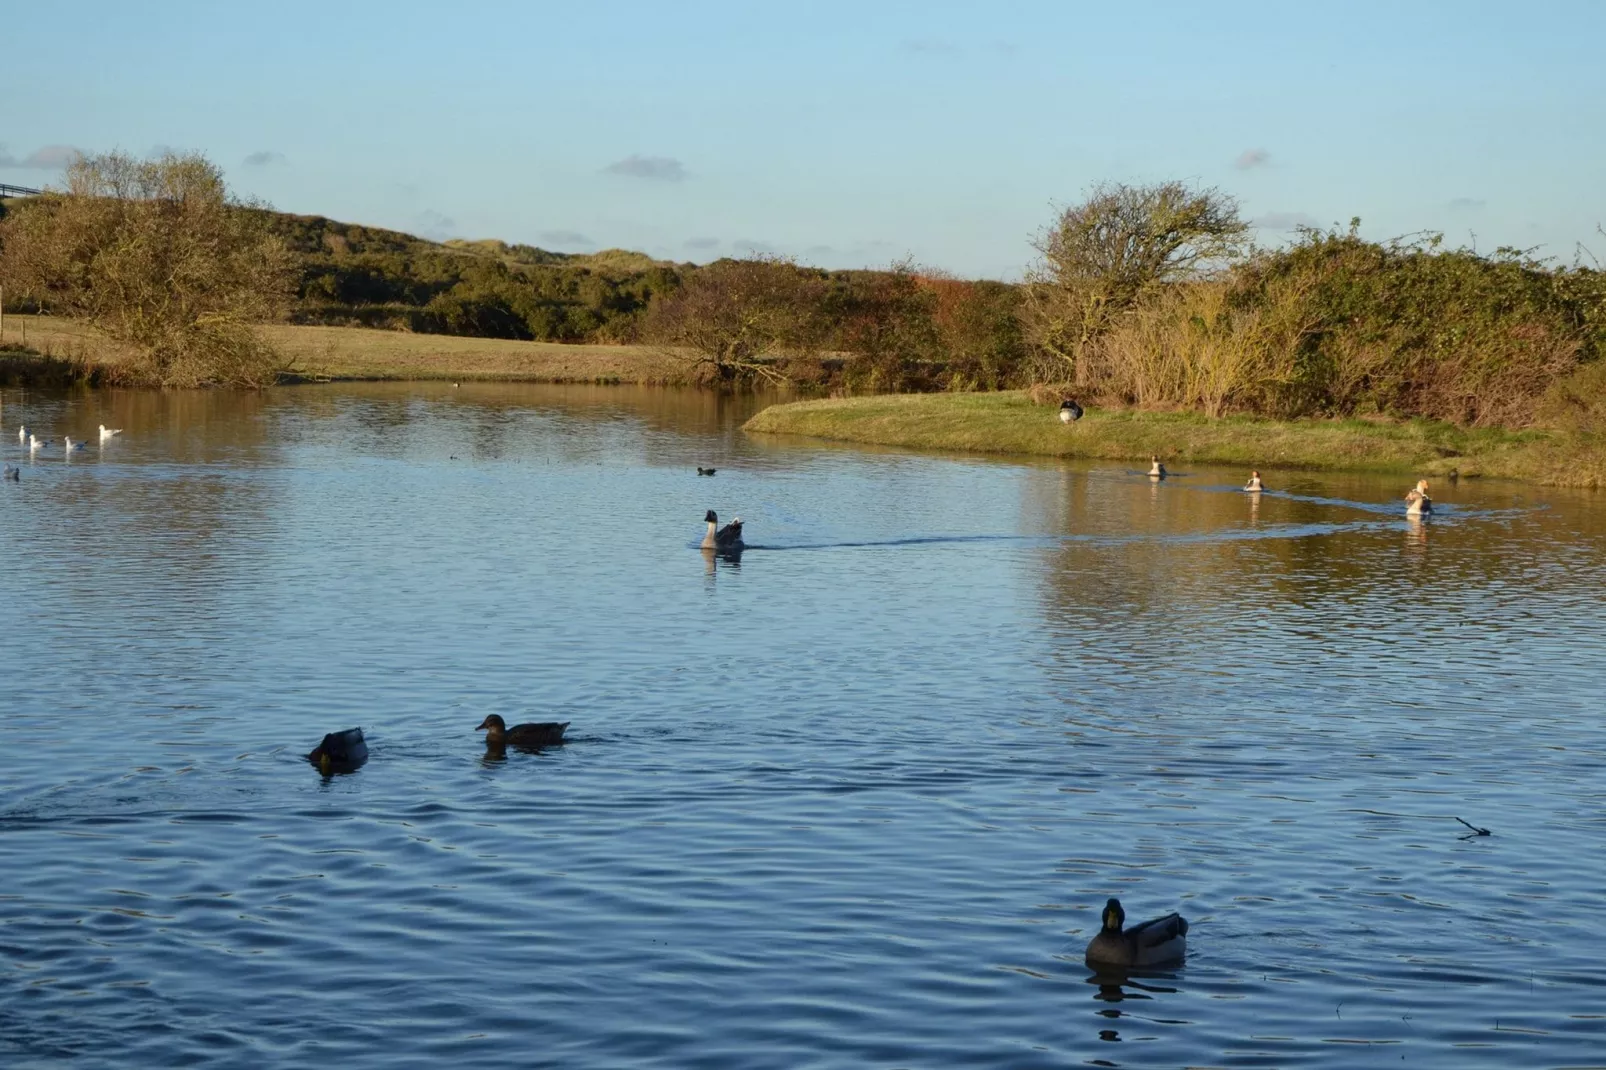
(35, 443)
(108, 432)
(69, 444)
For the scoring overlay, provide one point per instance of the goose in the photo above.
(1254, 485)
(1153, 943)
(340, 752)
(108, 432)
(1156, 469)
(13, 473)
(1417, 502)
(704, 471)
(1070, 411)
(727, 538)
(498, 734)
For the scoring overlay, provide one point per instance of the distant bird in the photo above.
(108, 432)
(1454, 474)
(1070, 411)
(340, 752)
(70, 444)
(1156, 469)
(704, 471)
(22, 434)
(727, 538)
(1153, 943)
(543, 734)
(1417, 502)
(13, 473)
(37, 443)
(1254, 485)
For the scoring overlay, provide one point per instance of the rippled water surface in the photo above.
(853, 801)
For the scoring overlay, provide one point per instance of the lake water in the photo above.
(855, 800)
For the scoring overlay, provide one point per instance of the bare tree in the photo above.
(1102, 255)
(157, 254)
(736, 317)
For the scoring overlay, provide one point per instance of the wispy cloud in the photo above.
(653, 168)
(434, 225)
(1283, 221)
(45, 158)
(1466, 204)
(564, 237)
(264, 158)
(1249, 159)
(702, 243)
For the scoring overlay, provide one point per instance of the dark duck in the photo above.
(1157, 942)
(340, 752)
(498, 734)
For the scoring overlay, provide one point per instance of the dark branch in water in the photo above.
(1476, 831)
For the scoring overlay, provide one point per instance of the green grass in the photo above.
(368, 354)
(1007, 422)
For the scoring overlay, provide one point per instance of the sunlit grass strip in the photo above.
(1007, 422)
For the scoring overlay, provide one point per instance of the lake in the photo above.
(853, 800)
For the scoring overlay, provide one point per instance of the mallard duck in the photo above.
(704, 471)
(1070, 411)
(1156, 469)
(728, 537)
(498, 734)
(1153, 943)
(1417, 502)
(108, 432)
(1254, 483)
(340, 752)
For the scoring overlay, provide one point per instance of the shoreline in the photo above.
(1006, 422)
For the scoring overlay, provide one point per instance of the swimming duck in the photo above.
(727, 538)
(108, 432)
(1156, 469)
(1417, 502)
(1070, 411)
(13, 473)
(704, 471)
(340, 752)
(498, 734)
(1156, 942)
(1254, 483)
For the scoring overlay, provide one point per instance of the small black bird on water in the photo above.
(704, 471)
(340, 752)
(544, 734)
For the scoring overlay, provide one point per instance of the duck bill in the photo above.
(484, 725)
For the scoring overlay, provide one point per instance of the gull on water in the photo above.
(108, 432)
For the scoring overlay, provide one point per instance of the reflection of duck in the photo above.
(1156, 469)
(340, 752)
(1152, 943)
(1254, 483)
(727, 538)
(498, 734)
(1417, 502)
(1070, 411)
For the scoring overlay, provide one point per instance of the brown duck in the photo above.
(1153, 943)
(498, 734)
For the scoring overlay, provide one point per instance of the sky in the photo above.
(843, 134)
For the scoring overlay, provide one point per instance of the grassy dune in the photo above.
(363, 353)
(1008, 422)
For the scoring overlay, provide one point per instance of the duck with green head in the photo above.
(1158, 942)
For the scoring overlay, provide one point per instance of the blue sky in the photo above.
(846, 134)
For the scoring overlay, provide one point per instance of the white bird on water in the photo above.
(70, 444)
(22, 433)
(108, 432)
(36, 443)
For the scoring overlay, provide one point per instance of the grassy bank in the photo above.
(1007, 422)
(362, 353)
